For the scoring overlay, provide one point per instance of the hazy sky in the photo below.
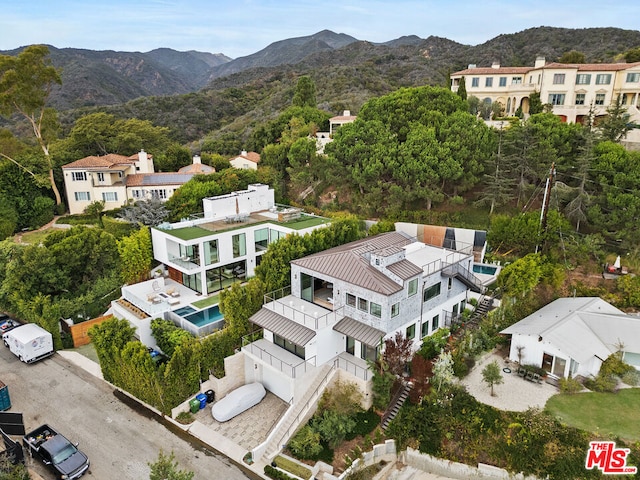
(242, 27)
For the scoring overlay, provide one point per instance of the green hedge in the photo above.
(276, 474)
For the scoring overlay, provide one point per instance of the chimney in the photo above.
(495, 65)
(243, 153)
(346, 113)
(197, 160)
(540, 62)
(471, 65)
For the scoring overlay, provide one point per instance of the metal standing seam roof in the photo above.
(405, 269)
(363, 333)
(159, 178)
(349, 263)
(292, 331)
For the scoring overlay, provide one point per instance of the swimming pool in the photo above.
(184, 311)
(204, 317)
(484, 269)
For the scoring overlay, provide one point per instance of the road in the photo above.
(120, 438)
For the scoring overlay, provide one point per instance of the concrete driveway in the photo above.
(119, 437)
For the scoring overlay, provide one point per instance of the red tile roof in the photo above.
(108, 161)
(251, 156)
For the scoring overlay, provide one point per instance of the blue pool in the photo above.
(203, 317)
(484, 269)
(183, 311)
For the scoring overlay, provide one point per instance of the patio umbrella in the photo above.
(617, 262)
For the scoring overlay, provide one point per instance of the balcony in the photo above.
(305, 313)
(276, 357)
(183, 262)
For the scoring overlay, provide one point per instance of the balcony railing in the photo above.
(292, 370)
(300, 311)
(359, 371)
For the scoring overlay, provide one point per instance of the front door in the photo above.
(547, 363)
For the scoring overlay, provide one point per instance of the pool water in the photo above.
(183, 311)
(484, 269)
(204, 317)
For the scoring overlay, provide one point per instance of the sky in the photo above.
(238, 28)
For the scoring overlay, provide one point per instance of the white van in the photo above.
(29, 342)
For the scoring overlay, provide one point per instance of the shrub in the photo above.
(614, 365)
(631, 378)
(366, 422)
(185, 418)
(570, 386)
(276, 474)
(433, 345)
(305, 444)
(292, 467)
(602, 383)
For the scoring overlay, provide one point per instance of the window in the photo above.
(580, 98)
(350, 347)
(363, 305)
(475, 81)
(210, 249)
(558, 78)
(413, 287)
(351, 300)
(78, 176)
(158, 194)
(600, 98)
(503, 81)
(583, 79)
(434, 323)
(276, 235)
(455, 310)
(395, 309)
(297, 350)
(368, 353)
(449, 283)
(137, 194)
(110, 196)
(80, 196)
(261, 239)
(431, 292)
(100, 176)
(463, 305)
(633, 77)
(411, 331)
(516, 80)
(239, 245)
(488, 82)
(603, 79)
(375, 310)
(556, 98)
(424, 329)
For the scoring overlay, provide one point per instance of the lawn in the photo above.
(605, 413)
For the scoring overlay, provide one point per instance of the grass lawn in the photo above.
(606, 413)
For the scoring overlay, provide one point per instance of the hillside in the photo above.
(203, 92)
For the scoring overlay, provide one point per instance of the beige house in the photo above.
(116, 179)
(246, 160)
(571, 88)
(322, 138)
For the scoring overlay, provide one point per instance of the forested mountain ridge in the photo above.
(99, 78)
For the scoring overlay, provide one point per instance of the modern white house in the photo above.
(573, 336)
(344, 302)
(572, 89)
(117, 179)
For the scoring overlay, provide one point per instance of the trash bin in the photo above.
(194, 405)
(202, 398)
(211, 396)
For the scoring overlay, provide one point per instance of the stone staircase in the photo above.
(297, 413)
(396, 403)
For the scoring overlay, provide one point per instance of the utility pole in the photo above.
(545, 204)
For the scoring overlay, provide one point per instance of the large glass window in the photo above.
(239, 245)
(395, 309)
(600, 97)
(431, 292)
(306, 287)
(192, 281)
(159, 194)
(603, 79)
(556, 98)
(82, 196)
(516, 80)
(475, 81)
(633, 77)
(375, 309)
(78, 176)
(503, 81)
(368, 353)
(488, 82)
(413, 287)
(276, 235)
(558, 78)
(211, 252)
(297, 350)
(580, 98)
(261, 238)
(351, 345)
(110, 196)
(583, 79)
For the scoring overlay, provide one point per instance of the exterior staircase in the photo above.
(484, 305)
(295, 415)
(396, 403)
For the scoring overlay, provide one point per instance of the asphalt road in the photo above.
(119, 437)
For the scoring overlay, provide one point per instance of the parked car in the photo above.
(56, 452)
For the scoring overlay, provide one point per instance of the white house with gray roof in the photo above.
(573, 336)
(344, 302)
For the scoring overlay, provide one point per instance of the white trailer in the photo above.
(29, 342)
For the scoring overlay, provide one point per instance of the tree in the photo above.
(136, 255)
(443, 370)
(521, 276)
(535, 104)
(25, 84)
(632, 55)
(166, 468)
(572, 57)
(492, 376)
(462, 89)
(150, 212)
(305, 93)
(615, 125)
(397, 353)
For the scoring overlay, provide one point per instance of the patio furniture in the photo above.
(156, 286)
